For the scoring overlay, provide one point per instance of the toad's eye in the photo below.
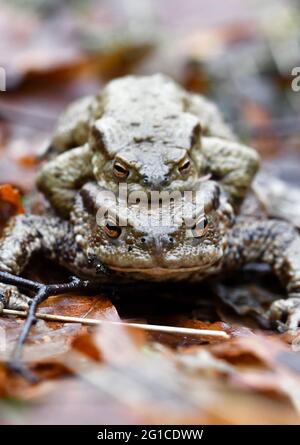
(200, 228)
(112, 231)
(120, 170)
(184, 166)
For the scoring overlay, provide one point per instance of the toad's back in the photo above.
(139, 96)
(146, 110)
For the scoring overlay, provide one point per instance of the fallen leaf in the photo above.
(9, 195)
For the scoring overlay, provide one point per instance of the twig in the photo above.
(144, 326)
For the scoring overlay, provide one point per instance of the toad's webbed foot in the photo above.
(276, 243)
(12, 298)
(285, 313)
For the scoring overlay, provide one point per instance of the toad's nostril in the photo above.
(143, 239)
(171, 239)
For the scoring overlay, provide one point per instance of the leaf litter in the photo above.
(114, 374)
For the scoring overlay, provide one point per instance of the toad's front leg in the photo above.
(60, 179)
(24, 236)
(276, 243)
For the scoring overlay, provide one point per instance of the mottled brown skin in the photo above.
(151, 127)
(143, 252)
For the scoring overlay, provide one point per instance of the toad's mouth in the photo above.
(160, 271)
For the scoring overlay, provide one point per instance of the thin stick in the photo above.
(147, 327)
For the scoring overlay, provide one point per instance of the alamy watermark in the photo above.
(296, 79)
(2, 79)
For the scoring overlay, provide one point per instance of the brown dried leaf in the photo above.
(50, 341)
(9, 195)
(98, 307)
(10, 203)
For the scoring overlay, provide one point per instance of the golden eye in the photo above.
(184, 166)
(200, 228)
(112, 230)
(120, 170)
